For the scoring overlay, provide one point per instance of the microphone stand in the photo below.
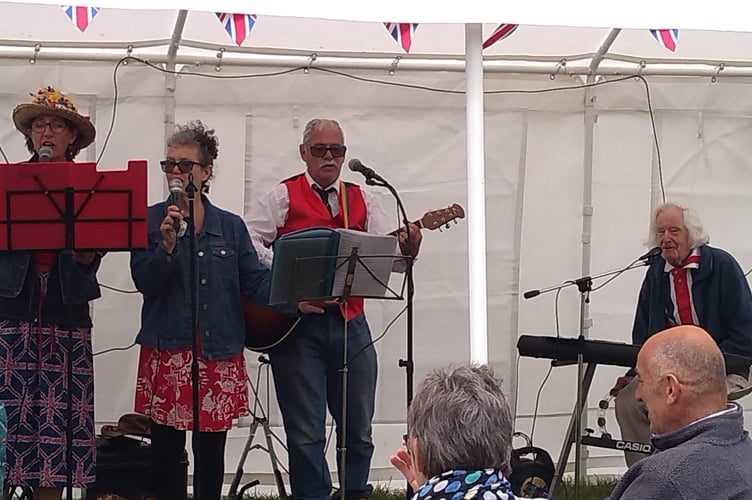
(376, 180)
(195, 436)
(584, 285)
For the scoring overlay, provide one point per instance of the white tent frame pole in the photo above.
(586, 322)
(580, 66)
(476, 194)
(603, 50)
(171, 79)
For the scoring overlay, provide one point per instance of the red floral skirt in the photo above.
(163, 389)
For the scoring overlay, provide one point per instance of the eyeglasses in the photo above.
(184, 166)
(55, 126)
(319, 150)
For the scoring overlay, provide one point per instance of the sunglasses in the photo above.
(184, 166)
(319, 150)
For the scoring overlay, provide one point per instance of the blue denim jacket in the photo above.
(227, 267)
(69, 284)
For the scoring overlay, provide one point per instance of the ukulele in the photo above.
(266, 328)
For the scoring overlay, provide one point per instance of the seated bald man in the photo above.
(702, 449)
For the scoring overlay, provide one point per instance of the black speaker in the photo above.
(532, 471)
(124, 469)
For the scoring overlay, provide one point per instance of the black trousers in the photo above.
(168, 470)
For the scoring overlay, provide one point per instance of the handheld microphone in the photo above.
(651, 254)
(176, 191)
(45, 153)
(356, 166)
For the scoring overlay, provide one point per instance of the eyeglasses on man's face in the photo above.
(56, 126)
(184, 166)
(319, 150)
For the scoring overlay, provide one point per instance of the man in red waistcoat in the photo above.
(307, 366)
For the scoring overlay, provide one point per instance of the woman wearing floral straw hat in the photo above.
(44, 302)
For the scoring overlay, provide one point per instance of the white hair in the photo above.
(697, 234)
(462, 419)
(318, 123)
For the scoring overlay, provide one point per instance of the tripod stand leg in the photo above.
(572, 436)
(233, 493)
(273, 457)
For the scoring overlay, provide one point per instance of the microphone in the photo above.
(176, 191)
(45, 153)
(651, 254)
(356, 166)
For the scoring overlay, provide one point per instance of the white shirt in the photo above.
(730, 408)
(270, 213)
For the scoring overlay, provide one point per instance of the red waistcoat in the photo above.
(307, 210)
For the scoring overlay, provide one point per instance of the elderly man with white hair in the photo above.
(692, 283)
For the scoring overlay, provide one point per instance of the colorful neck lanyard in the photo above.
(344, 204)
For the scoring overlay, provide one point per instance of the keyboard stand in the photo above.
(572, 436)
(579, 439)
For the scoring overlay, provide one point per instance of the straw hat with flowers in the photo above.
(49, 102)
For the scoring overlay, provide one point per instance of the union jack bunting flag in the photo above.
(667, 38)
(402, 33)
(238, 26)
(80, 16)
(500, 33)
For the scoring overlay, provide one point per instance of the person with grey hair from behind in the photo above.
(702, 448)
(691, 283)
(459, 439)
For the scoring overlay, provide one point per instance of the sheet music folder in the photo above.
(313, 263)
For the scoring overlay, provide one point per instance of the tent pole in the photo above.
(586, 321)
(171, 78)
(587, 227)
(203, 58)
(602, 50)
(476, 195)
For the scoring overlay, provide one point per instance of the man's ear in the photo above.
(302, 150)
(673, 388)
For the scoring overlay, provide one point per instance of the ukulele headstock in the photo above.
(441, 218)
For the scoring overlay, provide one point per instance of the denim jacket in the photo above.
(70, 287)
(227, 267)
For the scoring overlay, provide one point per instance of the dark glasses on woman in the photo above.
(319, 150)
(184, 166)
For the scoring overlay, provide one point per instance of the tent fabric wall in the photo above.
(534, 149)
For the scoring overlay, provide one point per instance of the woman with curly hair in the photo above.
(227, 266)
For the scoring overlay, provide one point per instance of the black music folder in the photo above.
(313, 263)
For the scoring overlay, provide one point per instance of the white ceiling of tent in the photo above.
(48, 26)
(728, 15)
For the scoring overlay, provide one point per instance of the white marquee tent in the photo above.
(571, 173)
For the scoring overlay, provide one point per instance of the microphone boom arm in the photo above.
(584, 279)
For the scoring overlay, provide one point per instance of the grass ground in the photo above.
(595, 489)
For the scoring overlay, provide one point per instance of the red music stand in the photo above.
(67, 206)
(72, 206)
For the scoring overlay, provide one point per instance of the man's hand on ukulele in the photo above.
(314, 306)
(415, 239)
